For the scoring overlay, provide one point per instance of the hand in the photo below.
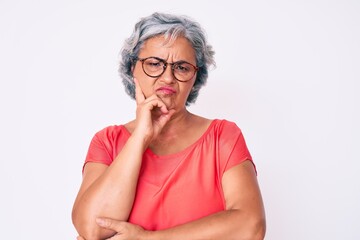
(125, 230)
(151, 114)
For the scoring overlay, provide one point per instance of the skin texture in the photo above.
(165, 126)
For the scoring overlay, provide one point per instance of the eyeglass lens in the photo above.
(182, 71)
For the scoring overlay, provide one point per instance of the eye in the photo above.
(182, 67)
(153, 63)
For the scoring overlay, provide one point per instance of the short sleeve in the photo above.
(106, 144)
(97, 151)
(233, 146)
(239, 153)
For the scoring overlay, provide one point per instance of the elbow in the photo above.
(87, 227)
(250, 228)
(83, 226)
(259, 229)
(256, 229)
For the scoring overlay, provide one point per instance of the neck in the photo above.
(176, 124)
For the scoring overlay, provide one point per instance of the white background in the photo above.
(287, 73)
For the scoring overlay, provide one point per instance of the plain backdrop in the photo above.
(287, 73)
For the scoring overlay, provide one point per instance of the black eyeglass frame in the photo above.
(142, 60)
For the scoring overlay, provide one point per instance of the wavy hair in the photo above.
(172, 27)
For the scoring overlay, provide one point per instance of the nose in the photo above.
(167, 76)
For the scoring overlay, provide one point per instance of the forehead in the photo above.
(159, 46)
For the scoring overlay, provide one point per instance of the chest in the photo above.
(177, 190)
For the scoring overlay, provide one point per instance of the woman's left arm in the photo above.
(244, 217)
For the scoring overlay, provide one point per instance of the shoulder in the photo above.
(106, 143)
(233, 149)
(226, 127)
(111, 132)
(228, 134)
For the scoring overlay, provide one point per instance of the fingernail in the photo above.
(100, 221)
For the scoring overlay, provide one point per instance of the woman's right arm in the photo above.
(108, 190)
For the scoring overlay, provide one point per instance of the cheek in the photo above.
(192, 84)
(137, 71)
(145, 81)
(187, 91)
(139, 74)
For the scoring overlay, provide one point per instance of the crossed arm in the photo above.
(243, 218)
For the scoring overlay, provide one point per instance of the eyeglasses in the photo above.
(154, 67)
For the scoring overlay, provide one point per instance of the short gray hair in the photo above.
(171, 26)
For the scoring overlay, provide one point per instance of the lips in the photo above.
(166, 90)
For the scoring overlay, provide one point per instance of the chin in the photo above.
(169, 102)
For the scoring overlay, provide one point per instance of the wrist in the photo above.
(147, 235)
(140, 141)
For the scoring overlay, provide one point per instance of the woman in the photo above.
(168, 174)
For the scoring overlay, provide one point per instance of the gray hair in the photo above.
(171, 26)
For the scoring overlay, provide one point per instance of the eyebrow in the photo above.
(161, 59)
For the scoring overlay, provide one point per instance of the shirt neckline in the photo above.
(148, 151)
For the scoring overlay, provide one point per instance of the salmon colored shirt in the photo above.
(180, 187)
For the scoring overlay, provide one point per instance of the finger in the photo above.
(155, 102)
(139, 95)
(110, 224)
(164, 118)
(80, 238)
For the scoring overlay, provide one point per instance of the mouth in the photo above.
(165, 91)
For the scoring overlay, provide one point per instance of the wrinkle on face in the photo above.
(180, 50)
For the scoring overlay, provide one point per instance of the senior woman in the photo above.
(168, 174)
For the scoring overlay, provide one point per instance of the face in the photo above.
(172, 92)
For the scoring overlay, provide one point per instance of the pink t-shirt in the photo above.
(180, 187)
